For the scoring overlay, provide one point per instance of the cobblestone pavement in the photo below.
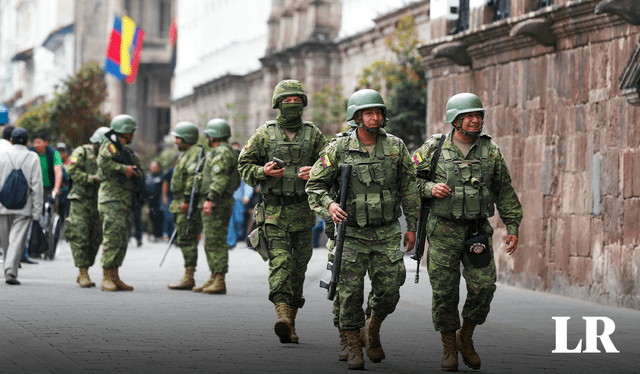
(50, 325)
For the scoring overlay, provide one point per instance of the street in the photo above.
(50, 325)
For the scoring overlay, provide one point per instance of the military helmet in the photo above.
(187, 131)
(463, 103)
(289, 87)
(123, 124)
(364, 99)
(217, 128)
(98, 135)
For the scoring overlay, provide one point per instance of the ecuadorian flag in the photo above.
(417, 158)
(123, 52)
(325, 161)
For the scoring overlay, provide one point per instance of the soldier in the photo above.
(471, 175)
(83, 212)
(116, 197)
(220, 179)
(284, 217)
(182, 183)
(382, 182)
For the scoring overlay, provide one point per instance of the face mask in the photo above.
(290, 116)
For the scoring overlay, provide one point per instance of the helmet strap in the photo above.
(471, 134)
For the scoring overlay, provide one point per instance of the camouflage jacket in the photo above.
(216, 177)
(325, 178)
(499, 177)
(115, 186)
(183, 177)
(83, 165)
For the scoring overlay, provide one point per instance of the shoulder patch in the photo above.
(248, 144)
(216, 169)
(417, 158)
(325, 161)
(73, 160)
(112, 149)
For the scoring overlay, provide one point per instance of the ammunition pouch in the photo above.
(478, 251)
(259, 243)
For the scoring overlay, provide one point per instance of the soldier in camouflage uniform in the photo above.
(383, 182)
(116, 197)
(470, 177)
(284, 217)
(83, 211)
(219, 180)
(182, 183)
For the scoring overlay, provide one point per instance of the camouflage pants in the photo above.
(188, 241)
(83, 231)
(116, 224)
(384, 262)
(215, 235)
(445, 254)
(290, 254)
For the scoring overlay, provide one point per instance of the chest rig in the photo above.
(470, 182)
(372, 198)
(294, 154)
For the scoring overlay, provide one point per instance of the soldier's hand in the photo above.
(440, 190)
(96, 179)
(512, 244)
(409, 240)
(131, 172)
(271, 171)
(206, 208)
(337, 214)
(184, 207)
(305, 172)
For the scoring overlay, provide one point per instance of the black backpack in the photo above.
(15, 190)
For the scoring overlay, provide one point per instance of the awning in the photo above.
(25, 55)
(56, 37)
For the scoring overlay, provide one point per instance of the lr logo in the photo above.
(591, 336)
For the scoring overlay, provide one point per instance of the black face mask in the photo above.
(290, 117)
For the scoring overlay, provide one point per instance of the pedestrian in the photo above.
(382, 182)
(66, 185)
(220, 179)
(284, 215)
(116, 197)
(14, 223)
(237, 223)
(167, 198)
(471, 177)
(5, 141)
(154, 191)
(182, 184)
(84, 230)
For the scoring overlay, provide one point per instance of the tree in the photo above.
(329, 109)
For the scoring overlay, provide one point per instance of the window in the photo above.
(503, 10)
(463, 17)
(544, 3)
(164, 18)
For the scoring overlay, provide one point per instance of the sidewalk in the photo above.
(50, 325)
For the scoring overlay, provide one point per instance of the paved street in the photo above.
(50, 325)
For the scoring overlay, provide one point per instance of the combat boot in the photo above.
(372, 336)
(294, 336)
(464, 344)
(355, 360)
(282, 327)
(83, 278)
(449, 352)
(343, 355)
(120, 284)
(206, 284)
(108, 280)
(218, 287)
(187, 282)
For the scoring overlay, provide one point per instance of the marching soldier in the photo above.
(284, 217)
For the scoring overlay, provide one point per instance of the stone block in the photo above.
(631, 221)
(610, 172)
(612, 212)
(636, 174)
(627, 174)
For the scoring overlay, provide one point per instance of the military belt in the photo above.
(284, 200)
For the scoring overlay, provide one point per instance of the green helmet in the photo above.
(364, 99)
(217, 128)
(287, 88)
(187, 131)
(123, 124)
(462, 103)
(98, 135)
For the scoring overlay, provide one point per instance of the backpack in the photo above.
(234, 181)
(15, 190)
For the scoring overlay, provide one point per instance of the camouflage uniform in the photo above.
(115, 200)
(371, 244)
(83, 228)
(446, 236)
(181, 186)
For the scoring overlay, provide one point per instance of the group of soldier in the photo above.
(460, 176)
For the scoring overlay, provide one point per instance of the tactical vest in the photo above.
(470, 196)
(372, 197)
(294, 155)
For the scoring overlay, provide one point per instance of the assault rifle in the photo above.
(340, 234)
(125, 158)
(171, 241)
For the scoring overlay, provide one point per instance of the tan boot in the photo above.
(464, 344)
(218, 287)
(205, 285)
(108, 280)
(372, 336)
(449, 352)
(120, 284)
(294, 336)
(355, 361)
(343, 355)
(83, 278)
(282, 327)
(187, 282)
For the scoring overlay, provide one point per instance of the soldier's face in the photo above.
(372, 117)
(292, 99)
(182, 146)
(40, 145)
(472, 122)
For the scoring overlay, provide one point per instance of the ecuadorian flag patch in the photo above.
(112, 149)
(73, 160)
(417, 158)
(325, 161)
